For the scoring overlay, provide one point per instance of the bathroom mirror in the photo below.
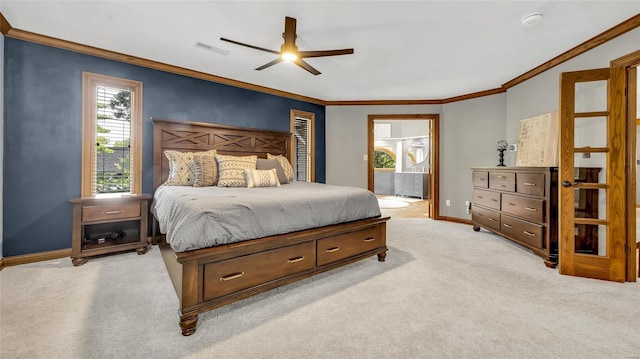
(417, 153)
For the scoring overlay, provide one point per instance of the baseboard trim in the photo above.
(36, 257)
(1, 263)
(456, 220)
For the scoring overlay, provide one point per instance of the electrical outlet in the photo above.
(365, 157)
(447, 203)
(467, 206)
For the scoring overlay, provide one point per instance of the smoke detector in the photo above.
(531, 19)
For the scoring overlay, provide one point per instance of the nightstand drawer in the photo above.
(108, 212)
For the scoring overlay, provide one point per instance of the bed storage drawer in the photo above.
(524, 232)
(528, 208)
(487, 198)
(235, 274)
(107, 212)
(486, 217)
(346, 245)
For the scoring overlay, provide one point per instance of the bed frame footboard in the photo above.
(209, 278)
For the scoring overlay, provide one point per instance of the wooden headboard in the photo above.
(199, 136)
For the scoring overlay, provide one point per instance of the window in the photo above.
(303, 148)
(111, 135)
(382, 130)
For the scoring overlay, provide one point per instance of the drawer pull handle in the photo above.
(529, 233)
(296, 259)
(503, 185)
(479, 214)
(512, 204)
(480, 197)
(370, 239)
(111, 212)
(332, 249)
(507, 225)
(479, 179)
(231, 276)
(502, 177)
(531, 209)
(493, 199)
(493, 220)
(529, 184)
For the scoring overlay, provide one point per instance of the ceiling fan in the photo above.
(289, 50)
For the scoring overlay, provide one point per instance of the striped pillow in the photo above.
(284, 163)
(206, 171)
(231, 170)
(262, 178)
(182, 168)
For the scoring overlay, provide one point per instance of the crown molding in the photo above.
(610, 34)
(595, 41)
(4, 25)
(382, 102)
(112, 55)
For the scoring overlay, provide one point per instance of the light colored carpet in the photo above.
(444, 292)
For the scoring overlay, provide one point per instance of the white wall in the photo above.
(469, 129)
(1, 135)
(470, 133)
(346, 139)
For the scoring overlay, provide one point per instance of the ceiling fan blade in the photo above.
(322, 53)
(276, 61)
(306, 66)
(251, 46)
(289, 34)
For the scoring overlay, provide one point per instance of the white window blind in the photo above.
(302, 149)
(112, 169)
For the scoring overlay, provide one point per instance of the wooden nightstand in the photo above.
(109, 224)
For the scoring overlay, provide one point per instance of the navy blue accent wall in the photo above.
(43, 129)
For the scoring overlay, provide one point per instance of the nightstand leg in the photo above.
(79, 261)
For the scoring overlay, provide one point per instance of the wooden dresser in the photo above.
(521, 204)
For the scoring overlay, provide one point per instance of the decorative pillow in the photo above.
(231, 170)
(264, 164)
(262, 178)
(181, 167)
(284, 163)
(206, 171)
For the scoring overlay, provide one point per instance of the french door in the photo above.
(592, 178)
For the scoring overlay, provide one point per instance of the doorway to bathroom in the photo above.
(403, 166)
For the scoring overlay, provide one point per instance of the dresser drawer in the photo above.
(530, 183)
(108, 212)
(346, 245)
(522, 231)
(228, 276)
(486, 218)
(480, 179)
(486, 198)
(504, 181)
(528, 208)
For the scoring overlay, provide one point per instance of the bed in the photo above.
(210, 277)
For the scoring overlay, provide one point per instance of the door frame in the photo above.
(434, 158)
(622, 70)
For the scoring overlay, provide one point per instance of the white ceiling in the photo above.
(403, 50)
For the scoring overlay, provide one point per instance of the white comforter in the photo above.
(199, 217)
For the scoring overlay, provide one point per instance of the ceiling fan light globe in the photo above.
(289, 56)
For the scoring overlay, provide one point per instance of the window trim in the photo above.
(89, 114)
(312, 118)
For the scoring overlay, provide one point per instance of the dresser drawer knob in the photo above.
(507, 225)
(231, 276)
(529, 233)
(531, 209)
(371, 239)
(296, 259)
(112, 212)
(332, 249)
